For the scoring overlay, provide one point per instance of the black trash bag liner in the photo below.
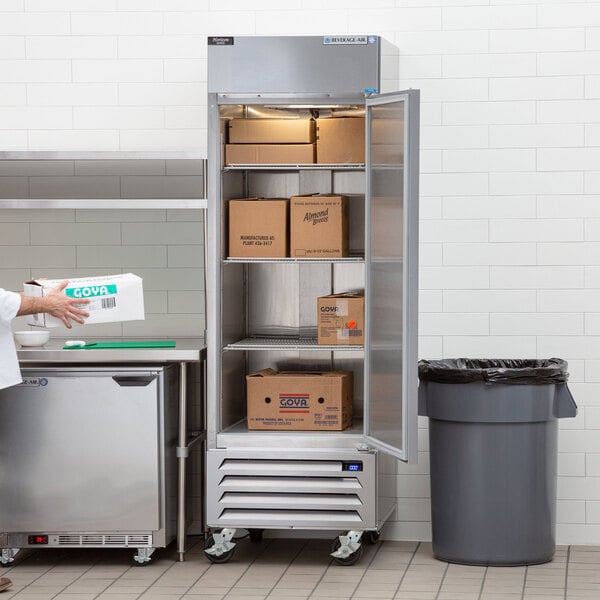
(506, 370)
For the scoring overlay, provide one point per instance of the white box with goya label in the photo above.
(112, 298)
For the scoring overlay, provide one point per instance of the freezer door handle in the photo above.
(134, 380)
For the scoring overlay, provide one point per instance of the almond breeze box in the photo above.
(112, 298)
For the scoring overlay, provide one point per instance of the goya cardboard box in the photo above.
(299, 400)
(112, 298)
(341, 319)
(269, 154)
(258, 227)
(271, 131)
(341, 140)
(318, 226)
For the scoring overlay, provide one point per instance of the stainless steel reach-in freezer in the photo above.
(261, 312)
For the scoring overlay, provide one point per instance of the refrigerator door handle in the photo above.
(134, 380)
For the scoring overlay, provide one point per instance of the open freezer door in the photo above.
(392, 197)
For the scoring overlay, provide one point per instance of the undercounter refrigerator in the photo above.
(88, 459)
(311, 288)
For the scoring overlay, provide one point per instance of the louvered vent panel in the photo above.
(98, 540)
(291, 493)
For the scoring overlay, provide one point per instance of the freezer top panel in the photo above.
(296, 64)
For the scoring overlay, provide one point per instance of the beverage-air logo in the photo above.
(91, 291)
(293, 403)
(346, 39)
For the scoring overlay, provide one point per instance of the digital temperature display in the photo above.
(37, 539)
(352, 466)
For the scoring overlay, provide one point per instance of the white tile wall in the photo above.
(510, 184)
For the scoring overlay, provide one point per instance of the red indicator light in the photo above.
(37, 539)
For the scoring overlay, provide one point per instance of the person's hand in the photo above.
(59, 305)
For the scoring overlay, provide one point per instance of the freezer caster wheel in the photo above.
(218, 547)
(346, 549)
(142, 558)
(371, 537)
(7, 556)
(256, 535)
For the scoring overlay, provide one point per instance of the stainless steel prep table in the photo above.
(187, 350)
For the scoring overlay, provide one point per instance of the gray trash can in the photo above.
(493, 435)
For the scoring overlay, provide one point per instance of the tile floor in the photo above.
(296, 570)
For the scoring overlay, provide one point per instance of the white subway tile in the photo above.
(121, 257)
(577, 371)
(592, 417)
(155, 303)
(430, 301)
(454, 324)
(490, 254)
(592, 465)
(182, 279)
(116, 23)
(71, 94)
(406, 19)
(74, 187)
(185, 302)
(454, 184)
(592, 371)
(568, 206)
(12, 279)
(489, 65)
(162, 46)
(430, 207)
(301, 22)
(585, 394)
(559, 182)
(488, 345)
(37, 257)
(430, 161)
(14, 187)
(592, 323)
(483, 160)
(580, 347)
(537, 88)
(591, 38)
(592, 86)
(567, 111)
(118, 117)
(536, 277)
(173, 326)
(70, 5)
(570, 511)
(568, 15)
(60, 234)
(150, 186)
(36, 117)
(185, 69)
(577, 533)
(454, 137)
(592, 511)
(592, 135)
(160, 233)
(539, 230)
(453, 230)
(14, 140)
(412, 509)
(164, 140)
(571, 464)
(536, 136)
(430, 347)
(120, 70)
(71, 46)
(491, 207)
(431, 113)
(140, 94)
(180, 117)
(191, 22)
(448, 277)
(567, 253)
(537, 40)
(420, 67)
(443, 42)
(12, 47)
(571, 488)
(12, 5)
(12, 94)
(188, 216)
(592, 276)
(581, 300)
(567, 63)
(14, 234)
(568, 159)
(29, 71)
(28, 23)
(536, 324)
(76, 140)
(592, 182)
(134, 215)
(430, 254)
(40, 215)
(448, 90)
(412, 486)
(488, 113)
(489, 17)
(592, 230)
(592, 445)
(191, 255)
(479, 301)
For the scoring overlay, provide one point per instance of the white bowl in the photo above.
(32, 338)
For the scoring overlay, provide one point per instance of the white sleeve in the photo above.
(10, 302)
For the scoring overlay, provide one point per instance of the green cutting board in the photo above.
(119, 345)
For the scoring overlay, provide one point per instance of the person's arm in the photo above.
(56, 304)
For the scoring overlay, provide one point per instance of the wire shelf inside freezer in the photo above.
(357, 259)
(295, 167)
(288, 343)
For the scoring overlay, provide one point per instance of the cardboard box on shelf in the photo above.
(269, 154)
(341, 140)
(258, 227)
(271, 131)
(341, 319)
(112, 298)
(299, 400)
(319, 226)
